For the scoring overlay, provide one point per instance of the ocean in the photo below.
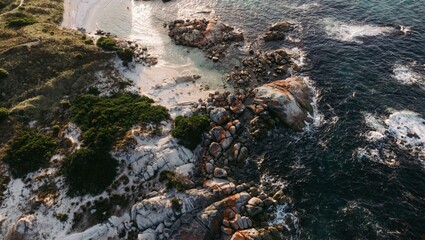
(360, 172)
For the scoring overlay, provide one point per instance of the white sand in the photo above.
(142, 22)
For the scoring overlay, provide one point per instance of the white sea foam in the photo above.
(317, 116)
(384, 156)
(347, 32)
(407, 76)
(407, 128)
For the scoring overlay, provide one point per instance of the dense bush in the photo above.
(106, 43)
(19, 20)
(4, 112)
(88, 41)
(89, 171)
(188, 130)
(63, 217)
(103, 119)
(125, 54)
(3, 73)
(176, 204)
(174, 180)
(28, 151)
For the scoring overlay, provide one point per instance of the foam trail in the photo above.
(353, 32)
(405, 127)
(406, 76)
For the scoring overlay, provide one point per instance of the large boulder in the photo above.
(290, 100)
(276, 232)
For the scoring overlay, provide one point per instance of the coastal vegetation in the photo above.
(19, 20)
(174, 180)
(28, 151)
(4, 112)
(125, 54)
(3, 73)
(89, 171)
(104, 120)
(188, 130)
(107, 43)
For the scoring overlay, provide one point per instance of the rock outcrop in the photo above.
(277, 31)
(210, 35)
(23, 229)
(289, 99)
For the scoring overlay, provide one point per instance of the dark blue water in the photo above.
(336, 194)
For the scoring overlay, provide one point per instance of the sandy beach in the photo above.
(138, 21)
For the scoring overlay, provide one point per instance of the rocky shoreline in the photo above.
(223, 206)
(211, 200)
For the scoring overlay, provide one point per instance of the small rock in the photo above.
(219, 116)
(243, 154)
(255, 202)
(220, 173)
(226, 230)
(209, 167)
(215, 150)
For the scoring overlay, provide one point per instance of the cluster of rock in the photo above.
(140, 53)
(278, 31)
(263, 67)
(217, 210)
(209, 35)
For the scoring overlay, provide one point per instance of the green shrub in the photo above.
(4, 112)
(56, 129)
(125, 54)
(89, 171)
(28, 151)
(106, 43)
(104, 119)
(176, 204)
(65, 104)
(174, 180)
(88, 41)
(19, 20)
(79, 56)
(63, 217)
(3, 73)
(188, 130)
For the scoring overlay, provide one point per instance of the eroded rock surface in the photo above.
(289, 99)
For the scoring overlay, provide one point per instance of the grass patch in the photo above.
(188, 130)
(29, 151)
